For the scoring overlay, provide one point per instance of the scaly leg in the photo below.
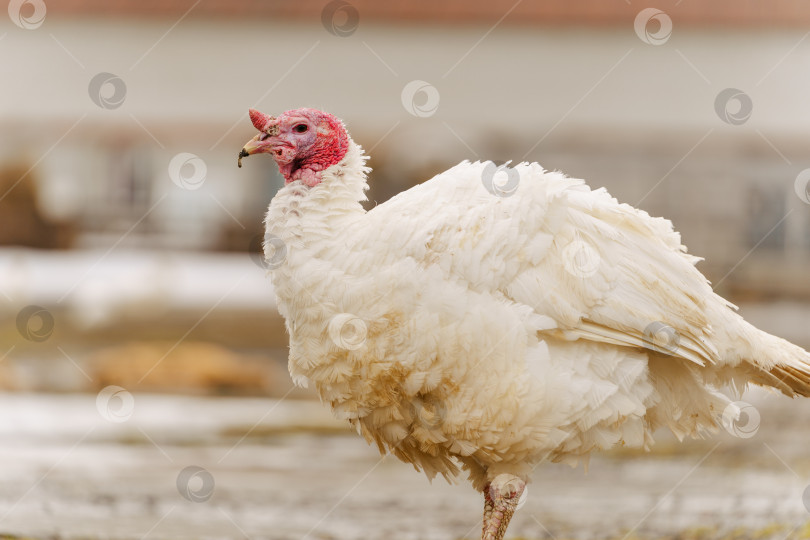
(501, 497)
(488, 507)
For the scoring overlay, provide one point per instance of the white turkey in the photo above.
(493, 318)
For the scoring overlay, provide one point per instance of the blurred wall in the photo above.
(132, 120)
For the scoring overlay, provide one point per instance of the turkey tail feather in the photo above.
(785, 362)
(795, 377)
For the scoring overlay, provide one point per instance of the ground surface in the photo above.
(284, 470)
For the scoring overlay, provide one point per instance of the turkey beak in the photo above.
(268, 128)
(251, 147)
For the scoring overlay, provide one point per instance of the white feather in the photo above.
(492, 333)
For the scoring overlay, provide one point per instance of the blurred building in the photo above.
(130, 114)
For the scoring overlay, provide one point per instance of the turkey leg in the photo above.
(501, 497)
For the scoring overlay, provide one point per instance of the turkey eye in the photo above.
(300, 128)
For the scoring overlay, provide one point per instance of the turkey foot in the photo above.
(501, 497)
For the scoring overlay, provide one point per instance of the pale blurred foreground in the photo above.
(156, 466)
(122, 458)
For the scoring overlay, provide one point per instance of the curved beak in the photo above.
(268, 131)
(253, 146)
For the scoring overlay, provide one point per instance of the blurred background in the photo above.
(142, 362)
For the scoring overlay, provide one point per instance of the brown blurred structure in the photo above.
(532, 12)
(21, 221)
(192, 367)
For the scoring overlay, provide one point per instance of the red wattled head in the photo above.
(304, 142)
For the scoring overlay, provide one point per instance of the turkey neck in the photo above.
(312, 221)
